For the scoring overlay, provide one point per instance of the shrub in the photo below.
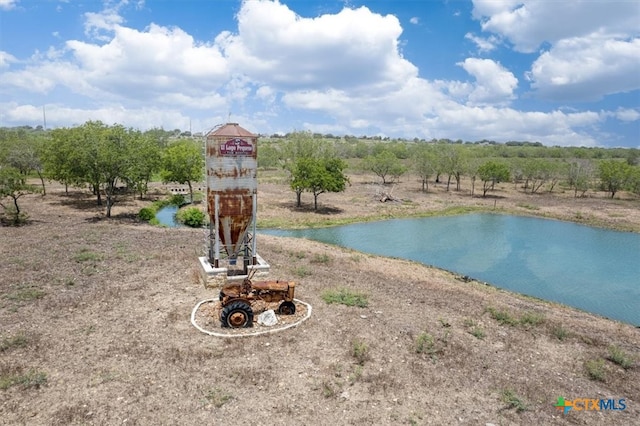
(620, 357)
(503, 317)
(425, 343)
(478, 333)
(595, 369)
(531, 318)
(146, 214)
(191, 216)
(177, 200)
(360, 351)
(559, 332)
(513, 400)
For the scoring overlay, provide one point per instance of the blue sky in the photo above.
(562, 73)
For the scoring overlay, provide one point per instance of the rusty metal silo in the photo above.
(232, 183)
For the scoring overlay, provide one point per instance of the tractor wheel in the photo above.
(237, 315)
(287, 308)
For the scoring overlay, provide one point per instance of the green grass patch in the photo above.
(560, 333)
(528, 206)
(346, 297)
(512, 400)
(86, 255)
(504, 317)
(30, 379)
(360, 351)
(321, 259)
(17, 341)
(217, 397)
(478, 333)
(531, 319)
(425, 344)
(595, 369)
(25, 293)
(301, 271)
(620, 357)
(322, 222)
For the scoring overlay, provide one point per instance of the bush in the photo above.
(146, 214)
(595, 369)
(360, 351)
(191, 216)
(620, 357)
(177, 200)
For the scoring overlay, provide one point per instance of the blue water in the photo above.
(592, 269)
(167, 216)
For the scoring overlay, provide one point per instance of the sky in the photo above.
(563, 73)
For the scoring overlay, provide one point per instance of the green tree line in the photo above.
(111, 160)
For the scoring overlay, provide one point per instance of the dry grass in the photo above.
(94, 326)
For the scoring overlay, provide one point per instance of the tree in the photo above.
(472, 167)
(22, 150)
(12, 185)
(491, 173)
(268, 156)
(144, 158)
(579, 176)
(384, 165)
(424, 164)
(59, 159)
(451, 161)
(634, 180)
(614, 175)
(303, 145)
(183, 162)
(113, 161)
(319, 176)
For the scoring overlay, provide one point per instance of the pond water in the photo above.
(167, 216)
(592, 269)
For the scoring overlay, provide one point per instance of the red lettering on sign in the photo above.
(236, 146)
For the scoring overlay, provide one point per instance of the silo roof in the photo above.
(232, 129)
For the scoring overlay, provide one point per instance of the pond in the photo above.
(596, 270)
(167, 216)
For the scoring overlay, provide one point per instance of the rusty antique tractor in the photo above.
(236, 300)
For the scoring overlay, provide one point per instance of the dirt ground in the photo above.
(95, 324)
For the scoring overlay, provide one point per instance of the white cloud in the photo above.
(340, 73)
(6, 59)
(484, 44)
(58, 115)
(627, 114)
(587, 68)
(494, 83)
(351, 49)
(483, 8)
(592, 48)
(8, 4)
(156, 65)
(504, 124)
(414, 20)
(529, 23)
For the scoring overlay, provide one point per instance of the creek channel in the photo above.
(596, 270)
